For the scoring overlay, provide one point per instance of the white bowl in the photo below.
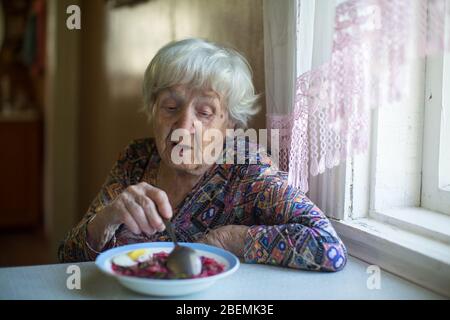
(168, 287)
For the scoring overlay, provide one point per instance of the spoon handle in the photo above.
(169, 228)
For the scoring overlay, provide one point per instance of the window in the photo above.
(408, 165)
(396, 210)
(390, 204)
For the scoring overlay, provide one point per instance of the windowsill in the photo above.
(417, 220)
(408, 254)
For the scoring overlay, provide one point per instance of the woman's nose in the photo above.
(185, 121)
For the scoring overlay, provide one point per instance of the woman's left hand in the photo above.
(230, 237)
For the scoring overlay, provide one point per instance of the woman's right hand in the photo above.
(140, 207)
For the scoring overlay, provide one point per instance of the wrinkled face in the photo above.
(194, 113)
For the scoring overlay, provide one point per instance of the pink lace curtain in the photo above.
(372, 43)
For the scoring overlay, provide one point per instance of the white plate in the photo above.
(168, 287)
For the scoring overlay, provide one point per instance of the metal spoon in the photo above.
(182, 260)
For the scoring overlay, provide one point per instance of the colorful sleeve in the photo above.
(75, 247)
(289, 229)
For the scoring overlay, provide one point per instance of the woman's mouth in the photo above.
(181, 147)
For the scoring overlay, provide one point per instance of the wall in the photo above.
(117, 45)
(61, 122)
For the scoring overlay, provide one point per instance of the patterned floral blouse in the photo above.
(285, 227)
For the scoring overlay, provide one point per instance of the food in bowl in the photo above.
(139, 263)
(138, 252)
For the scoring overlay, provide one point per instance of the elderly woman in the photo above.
(248, 209)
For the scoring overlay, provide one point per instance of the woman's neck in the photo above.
(177, 184)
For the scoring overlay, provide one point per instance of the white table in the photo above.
(257, 282)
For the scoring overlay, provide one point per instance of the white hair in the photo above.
(202, 64)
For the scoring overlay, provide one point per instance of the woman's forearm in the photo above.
(92, 235)
(229, 237)
(75, 248)
(100, 231)
(296, 246)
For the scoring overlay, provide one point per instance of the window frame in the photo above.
(435, 193)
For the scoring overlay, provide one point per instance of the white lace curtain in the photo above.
(329, 62)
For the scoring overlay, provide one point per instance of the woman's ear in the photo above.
(152, 116)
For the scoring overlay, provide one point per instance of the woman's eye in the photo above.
(170, 107)
(205, 113)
